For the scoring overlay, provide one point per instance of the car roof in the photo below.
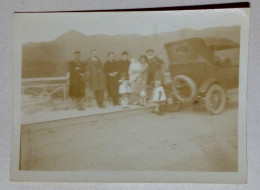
(184, 41)
(215, 43)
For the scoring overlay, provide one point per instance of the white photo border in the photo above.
(242, 16)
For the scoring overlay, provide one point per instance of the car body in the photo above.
(197, 64)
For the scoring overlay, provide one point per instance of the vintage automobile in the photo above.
(203, 69)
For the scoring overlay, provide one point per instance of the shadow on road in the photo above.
(200, 107)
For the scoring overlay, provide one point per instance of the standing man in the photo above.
(96, 77)
(154, 67)
(123, 64)
(112, 76)
(77, 81)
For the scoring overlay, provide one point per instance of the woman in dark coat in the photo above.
(112, 77)
(77, 81)
(96, 78)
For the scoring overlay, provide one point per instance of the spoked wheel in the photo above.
(216, 99)
(184, 89)
(173, 105)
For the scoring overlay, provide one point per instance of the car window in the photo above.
(228, 56)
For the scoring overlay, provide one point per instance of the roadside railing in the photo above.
(44, 93)
(51, 94)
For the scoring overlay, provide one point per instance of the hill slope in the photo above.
(50, 58)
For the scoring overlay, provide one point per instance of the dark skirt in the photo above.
(112, 87)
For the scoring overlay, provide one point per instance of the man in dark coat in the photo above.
(112, 77)
(154, 67)
(96, 77)
(77, 81)
(123, 64)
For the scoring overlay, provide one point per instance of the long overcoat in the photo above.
(155, 70)
(112, 81)
(96, 74)
(77, 81)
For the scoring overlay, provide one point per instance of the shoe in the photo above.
(102, 106)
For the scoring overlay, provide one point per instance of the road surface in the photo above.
(187, 140)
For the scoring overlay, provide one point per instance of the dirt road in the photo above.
(134, 140)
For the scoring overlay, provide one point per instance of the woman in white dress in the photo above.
(137, 74)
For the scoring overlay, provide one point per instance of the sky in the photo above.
(43, 27)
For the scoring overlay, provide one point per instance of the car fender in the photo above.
(207, 83)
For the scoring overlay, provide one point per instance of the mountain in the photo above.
(47, 59)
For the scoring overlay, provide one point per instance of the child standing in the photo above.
(159, 98)
(124, 90)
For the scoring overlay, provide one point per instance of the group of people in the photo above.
(123, 79)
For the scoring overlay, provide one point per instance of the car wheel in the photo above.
(173, 105)
(216, 99)
(184, 89)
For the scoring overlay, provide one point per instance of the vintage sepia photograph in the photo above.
(152, 96)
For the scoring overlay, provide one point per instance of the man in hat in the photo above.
(77, 80)
(96, 77)
(154, 67)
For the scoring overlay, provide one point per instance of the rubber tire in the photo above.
(223, 99)
(191, 84)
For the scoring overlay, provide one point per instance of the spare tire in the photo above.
(184, 89)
